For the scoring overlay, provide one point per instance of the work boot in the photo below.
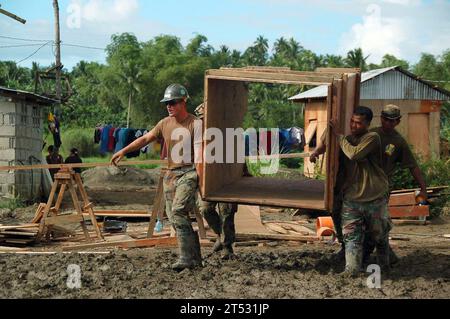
(196, 251)
(353, 260)
(218, 246)
(383, 258)
(340, 255)
(228, 252)
(190, 255)
(393, 258)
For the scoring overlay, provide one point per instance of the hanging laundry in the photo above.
(104, 140)
(98, 135)
(54, 128)
(131, 137)
(111, 140)
(140, 133)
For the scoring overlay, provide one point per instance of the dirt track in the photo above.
(303, 271)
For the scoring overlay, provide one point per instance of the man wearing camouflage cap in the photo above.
(395, 152)
(181, 180)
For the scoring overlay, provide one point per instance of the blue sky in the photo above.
(404, 28)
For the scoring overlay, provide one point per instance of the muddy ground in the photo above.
(277, 270)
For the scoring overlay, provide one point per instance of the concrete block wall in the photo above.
(21, 139)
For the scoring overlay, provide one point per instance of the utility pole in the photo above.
(12, 16)
(58, 57)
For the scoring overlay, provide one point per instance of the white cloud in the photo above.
(107, 10)
(404, 28)
(376, 35)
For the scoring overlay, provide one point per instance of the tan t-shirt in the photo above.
(179, 139)
(364, 179)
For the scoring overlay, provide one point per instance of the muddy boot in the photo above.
(368, 249)
(340, 255)
(353, 260)
(228, 252)
(213, 220)
(190, 255)
(393, 258)
(383, 259)
(196, 251)
(218, 246)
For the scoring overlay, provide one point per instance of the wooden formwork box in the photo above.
(226, 103)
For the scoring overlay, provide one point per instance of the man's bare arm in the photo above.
(418, 176)
(136, 145)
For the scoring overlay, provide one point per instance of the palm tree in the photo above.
(355, 59)
(131, 76)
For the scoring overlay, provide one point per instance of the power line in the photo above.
(82, 46)
(18, 46)
(45, 44)
(21, 39)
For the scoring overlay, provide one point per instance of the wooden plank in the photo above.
(39, 213)
(268, 81)
(409, 211)
(272, 192)
(429, 190)
(25, 226)
(277, 228)
(16, 233)
(81, 165)
(285, 70)
(87, 205)
(270, 77)
(311, 130)
(158, 206)
(247, 221)
(266, 236)
(64, 220)
(138, 243)
(338, 70)
(402, 199)
(277, 156)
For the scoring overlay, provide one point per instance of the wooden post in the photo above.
(58, 56)
(13, 16)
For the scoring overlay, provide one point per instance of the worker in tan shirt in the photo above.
(180, 133)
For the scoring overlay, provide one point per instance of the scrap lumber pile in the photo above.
(20, 235)
(404, 204)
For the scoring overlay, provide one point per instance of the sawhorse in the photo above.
(66, 178)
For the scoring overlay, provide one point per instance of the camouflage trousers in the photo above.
(180, 187)
(221, 222)
(366, 219)
(336, 215)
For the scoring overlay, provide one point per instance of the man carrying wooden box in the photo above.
(181, 180)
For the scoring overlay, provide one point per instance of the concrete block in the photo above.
(7, 130)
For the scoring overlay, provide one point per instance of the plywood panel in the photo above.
(226, 106)
(419, 137)
(273, 192)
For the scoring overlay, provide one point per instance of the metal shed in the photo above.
(21, 141)
(420, 102)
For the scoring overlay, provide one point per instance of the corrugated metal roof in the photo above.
(35, 97)
(387, 84)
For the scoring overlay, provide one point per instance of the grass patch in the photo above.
(11, 203)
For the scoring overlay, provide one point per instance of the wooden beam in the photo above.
(409, 211)
(402, 199)
(277, 156)
(267, 236)
(338, 70)
(139, 243)
(81, 165)
(283, 70)
(13, 16)
(270, 77)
